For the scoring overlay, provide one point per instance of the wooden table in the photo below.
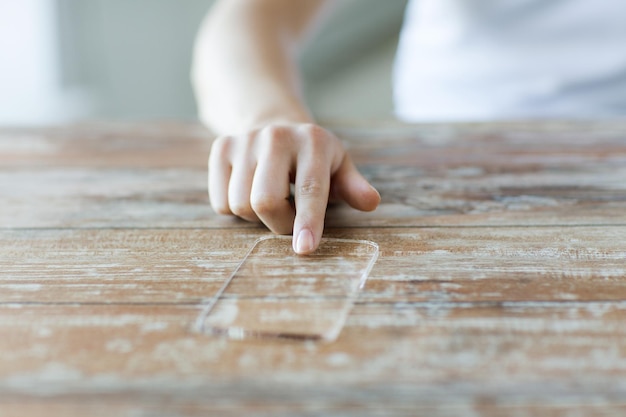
(500, 288)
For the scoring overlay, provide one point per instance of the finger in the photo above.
(239, 188)
(270, 192)
(311, 196)
(349, 185)
(219, 175)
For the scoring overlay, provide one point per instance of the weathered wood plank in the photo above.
(457, 336)
(178, 198)
(444, 264)
(175, 145)
(428, 175)
(517, 354)
(106, 145)
(490, 174)
(122, 406)
(108, 198)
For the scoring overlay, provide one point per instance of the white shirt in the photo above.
(495, 59)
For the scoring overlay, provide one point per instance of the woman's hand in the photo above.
(245, 75)
(250, 176)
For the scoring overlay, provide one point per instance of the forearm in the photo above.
(244, 73)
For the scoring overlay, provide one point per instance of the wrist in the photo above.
(289, 115)
(242, 124)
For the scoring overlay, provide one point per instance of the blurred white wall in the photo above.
(66, 60)
(30, 66)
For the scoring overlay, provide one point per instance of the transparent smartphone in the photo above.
(277, 294)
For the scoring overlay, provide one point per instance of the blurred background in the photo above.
(68, 60)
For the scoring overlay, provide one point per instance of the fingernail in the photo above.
(304, 242)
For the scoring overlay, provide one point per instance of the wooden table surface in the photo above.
(500, 288)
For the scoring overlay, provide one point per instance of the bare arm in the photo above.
(244, 70)
(246, 83)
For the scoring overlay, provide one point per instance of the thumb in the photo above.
(349, 185)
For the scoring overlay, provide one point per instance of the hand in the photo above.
(250, 177)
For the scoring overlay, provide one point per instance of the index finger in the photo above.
(312, 186)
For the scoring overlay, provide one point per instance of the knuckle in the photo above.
(311, 187)
(318, 139)
(221, 208)
(272, 129)
(241, 210)
(276, 140)
(265, 204)
(276, 132)
(316, 132)
(221, 147)
(247, 141)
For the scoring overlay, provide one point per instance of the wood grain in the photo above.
(466, 175)
(500, 288)
(186, 266)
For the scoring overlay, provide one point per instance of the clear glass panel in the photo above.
(276, 293)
